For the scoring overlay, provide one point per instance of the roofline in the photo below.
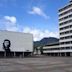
(15, 32)
(65, 5)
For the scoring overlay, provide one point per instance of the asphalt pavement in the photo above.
(44, 64)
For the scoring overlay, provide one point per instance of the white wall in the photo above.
(19, 41)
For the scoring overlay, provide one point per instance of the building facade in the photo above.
(52, 49)
(65, 33)
(65, 28)
(15, 44)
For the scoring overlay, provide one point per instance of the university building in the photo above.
(15, 44)
(64, 47)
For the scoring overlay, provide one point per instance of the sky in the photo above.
(38, 17)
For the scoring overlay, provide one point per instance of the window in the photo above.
(70, 31)
(70, 26)
(66, 12)
(67, 47)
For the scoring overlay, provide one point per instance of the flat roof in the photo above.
(15, 32)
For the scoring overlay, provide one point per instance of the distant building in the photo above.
(52, 49)
(15, 44)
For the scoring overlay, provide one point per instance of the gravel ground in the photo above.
(46, 64)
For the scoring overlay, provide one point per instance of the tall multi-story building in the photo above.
(65, 28)
(64, 48)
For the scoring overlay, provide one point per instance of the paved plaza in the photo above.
(46, 64)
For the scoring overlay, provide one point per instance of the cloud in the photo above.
(38, 11)
(39, 34)
(9, 23)
(12, 19)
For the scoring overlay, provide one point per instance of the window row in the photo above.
(65, 12)
(66, 17)
(62, 48)
(66, 37)
(66, 22)
(68, 42)
(66, 27)
(66, 32)
(66, 7)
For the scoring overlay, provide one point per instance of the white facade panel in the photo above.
(58, 51)
(65, 40)
(65, 15)
(20, 42)
(49, 47)
(66, 45)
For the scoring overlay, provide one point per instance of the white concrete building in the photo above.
(65, 28)
(52, 49)
(21, 44)
(65, 32)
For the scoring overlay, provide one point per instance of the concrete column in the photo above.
(71, 54)
(60, 54)
(14, 54)
(50, 54)
(23, 54)
(4, 54)
(65, 54)
(54, 54)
